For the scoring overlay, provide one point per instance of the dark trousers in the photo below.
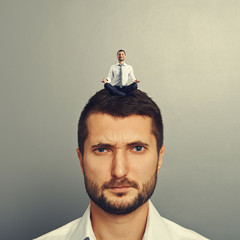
(123, 91)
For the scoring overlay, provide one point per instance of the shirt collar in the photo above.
(124, 64)
(155, 228)
(84, 229)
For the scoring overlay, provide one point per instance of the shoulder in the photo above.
(60, 233)
(180, 233)
(127, 65)
(159, 225)
(114, 67)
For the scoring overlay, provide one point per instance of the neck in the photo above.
(112, 227)
(121, 62)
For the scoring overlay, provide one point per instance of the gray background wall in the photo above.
(54, 54)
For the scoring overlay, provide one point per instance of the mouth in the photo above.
(119, 189)
(120, 186)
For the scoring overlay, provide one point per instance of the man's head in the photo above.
(120, 150)
(121, 55)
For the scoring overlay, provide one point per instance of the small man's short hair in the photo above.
(121, 50)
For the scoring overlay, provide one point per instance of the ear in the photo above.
(160, 157)
(80, 157)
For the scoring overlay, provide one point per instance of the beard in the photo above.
(96, 194)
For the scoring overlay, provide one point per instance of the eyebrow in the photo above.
(102, 145)
(129, 145)
(138, 143)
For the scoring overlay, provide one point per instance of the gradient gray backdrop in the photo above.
(54, 54)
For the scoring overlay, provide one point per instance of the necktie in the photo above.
(120, 76)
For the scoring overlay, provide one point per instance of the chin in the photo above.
(123, 206)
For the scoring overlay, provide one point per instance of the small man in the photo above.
(119, 76)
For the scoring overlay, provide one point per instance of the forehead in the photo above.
(107, 128)
(121, 52)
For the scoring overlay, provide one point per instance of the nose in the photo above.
(119, 164)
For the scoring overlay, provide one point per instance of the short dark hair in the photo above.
(121, 50)
(138, 103)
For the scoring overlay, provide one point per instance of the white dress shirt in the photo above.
(127, 75)
(158, 228)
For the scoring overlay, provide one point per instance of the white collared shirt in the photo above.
(127, 75)
(157, 228)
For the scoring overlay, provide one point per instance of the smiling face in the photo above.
(120, 162)
(121, 56)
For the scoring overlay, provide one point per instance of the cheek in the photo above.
(144, 168)
(96, 170)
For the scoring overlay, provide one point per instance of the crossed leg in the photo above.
(125, 90)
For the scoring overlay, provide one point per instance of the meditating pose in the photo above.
(121, 80)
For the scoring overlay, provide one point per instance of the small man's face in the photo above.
(121, 56)
(120, 162)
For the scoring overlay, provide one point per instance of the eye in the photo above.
(138, 148)
(100, 150)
